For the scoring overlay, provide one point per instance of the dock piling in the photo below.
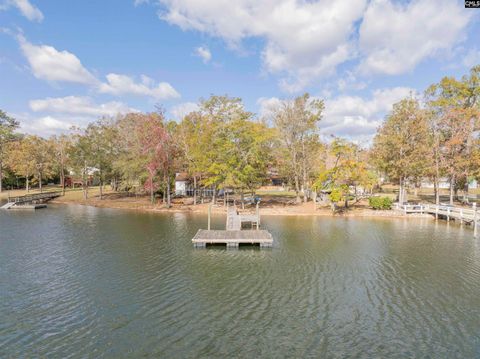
(475, 217)
(209, 214)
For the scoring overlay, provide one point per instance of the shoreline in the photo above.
(300, 210)
(270, 206)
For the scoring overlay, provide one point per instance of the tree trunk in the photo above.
(296, 177)
(1, 176)
(315, 200)
(27, 183)
(169, 199)
(62, 180)
(85, 181)
(437, 191)
(40, 181)
(333, 206)
(194, 190)
(151, 192)
(243, 201)
(101, 182)
(465, 191)
(452, 188)
(400, 191)
(297, 189)
(304, 170)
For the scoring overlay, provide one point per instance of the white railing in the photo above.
(470, 215)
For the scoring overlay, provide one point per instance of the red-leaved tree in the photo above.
(154, 144)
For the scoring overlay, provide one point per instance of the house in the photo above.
(274, 178)
(73, 180)
(182, 183)
(444, 183)
(184, 186)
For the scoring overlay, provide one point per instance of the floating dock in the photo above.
(233, 236)
(30, 201)
(28, 206)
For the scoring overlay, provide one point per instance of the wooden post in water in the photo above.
(448, 214)
(436, 212)
(209, 214)
(257, 210)
(461, 216)
(475, 230)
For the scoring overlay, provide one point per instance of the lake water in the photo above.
(86, 282)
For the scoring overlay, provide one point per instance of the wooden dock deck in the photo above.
(30, 201)
(234, 222)
(464, 215)
(233, 236)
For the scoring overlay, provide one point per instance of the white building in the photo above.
(182, 180)
(444, 183)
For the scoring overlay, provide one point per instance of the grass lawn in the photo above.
(275, 193)
(70, 194)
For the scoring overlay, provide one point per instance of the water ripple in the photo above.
(86, 282)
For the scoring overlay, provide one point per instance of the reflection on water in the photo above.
(86, 282)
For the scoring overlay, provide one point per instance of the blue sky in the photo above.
(66, 63)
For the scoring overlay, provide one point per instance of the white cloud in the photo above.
(204, 53)
(307, 40)
(26, 8)
(181, 110)
(350, 82)
(352, 117)
(118, 84)
(472, 58)
(395, 36)
(47, 125)
(304, 40)
(267, 107)
(75, 105)
(51, 123)
(358, 118)
(47, 63)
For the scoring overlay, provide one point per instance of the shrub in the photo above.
(336, 195)
(380, 202)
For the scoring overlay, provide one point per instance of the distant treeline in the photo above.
(221, 145)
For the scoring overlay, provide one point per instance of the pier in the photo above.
(233, 236)
(30, 201)
(464, 215)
